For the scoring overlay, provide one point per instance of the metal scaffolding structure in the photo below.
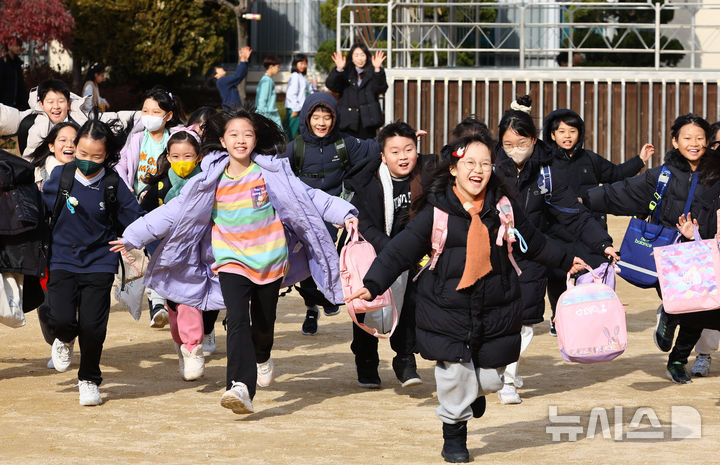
(529, 34)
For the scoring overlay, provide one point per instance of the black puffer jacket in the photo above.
(351, 97)
(632, 197)
(483, 322)
(22, 227)
(585, 169)
(581, 224)
(320, 153)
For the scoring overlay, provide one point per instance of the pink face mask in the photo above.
(519, 155)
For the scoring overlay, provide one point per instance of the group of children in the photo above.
(229, 212)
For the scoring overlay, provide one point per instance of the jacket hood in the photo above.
(547, 124)
(311, 102)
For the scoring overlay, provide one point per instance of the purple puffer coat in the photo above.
(180, 268)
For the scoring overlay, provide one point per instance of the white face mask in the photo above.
(519, 155)
(152, 123)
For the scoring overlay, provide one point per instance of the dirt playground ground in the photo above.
(315, 414)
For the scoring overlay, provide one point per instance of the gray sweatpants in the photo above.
(459, 384)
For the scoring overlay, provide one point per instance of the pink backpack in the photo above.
(356, 257)
(506, 232)
(590, 322)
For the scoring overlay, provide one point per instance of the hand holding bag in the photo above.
(689, 273)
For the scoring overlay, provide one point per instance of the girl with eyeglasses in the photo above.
(469, 307)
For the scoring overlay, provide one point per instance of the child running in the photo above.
(237, 230)
(138, 160)
(687, 165)
(81, 266)
(468, 311)
(177, 164)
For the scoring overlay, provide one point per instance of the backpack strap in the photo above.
(298, 154)
(299, 158)
(660, 188)
(67, 178)
(507, 231)
(545, 185)
(691, 194)
(438, 238)
(110, 197)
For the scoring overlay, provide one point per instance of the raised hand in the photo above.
(377, 59)
(647, 151)
(244, 53)
(339, 60)
(685, 226)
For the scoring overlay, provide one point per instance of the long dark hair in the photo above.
(441, 178)
(163, 164)
(111, 133)
(350, 66)
(42, 152)
(269, 138)
(93, 70)
(199, 117)
(167, 102)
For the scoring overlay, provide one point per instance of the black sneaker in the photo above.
(368, 376)
(677, 373)
(405, 369)
(159, 316)
(665, 330)
(478, 407)
(369, 382)
(330, 311)
(455, 443)
(552, 329)
(310, 325)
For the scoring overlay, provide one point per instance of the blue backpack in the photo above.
(545, 184)
(637, 264)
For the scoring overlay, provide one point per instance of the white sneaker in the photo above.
(194, 362)
(509, 395)
(265, 373)
(181, 360)
(159, 316)
(62, 354)
(237, 399)
(208, 344)
(89, 393)
(701, 367)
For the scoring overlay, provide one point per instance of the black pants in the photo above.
(686, 339)
(251, 310)
(365, 345)
(88, 295)
(308, 289)
(209, 319)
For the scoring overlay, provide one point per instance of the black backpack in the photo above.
(67, 178)
(299, 159)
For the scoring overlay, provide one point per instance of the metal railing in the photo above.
(530, 34)
(622, 109)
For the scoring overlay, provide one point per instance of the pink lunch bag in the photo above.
(356, 257)
(590, 322)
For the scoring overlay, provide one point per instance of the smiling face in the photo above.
(239, 139)
(472, 172)
(565, 136)
(359, 58)
(321, 122)
(64, 146)
(400, 155)
(301, 66)
(691, 142)
(56, 106)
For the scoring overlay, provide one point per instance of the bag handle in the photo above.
(374, 331)
(596, 279)
(353, 234)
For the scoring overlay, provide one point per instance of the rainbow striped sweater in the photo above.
(248, 237)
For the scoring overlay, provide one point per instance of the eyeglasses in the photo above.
(522, 145)
(471, 165)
